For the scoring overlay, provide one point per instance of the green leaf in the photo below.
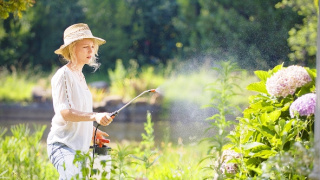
(3, 130)
(136, 157)
(277, 68)
(312, 73)
(274, 115)
(1, 174)
(287, 127)
(266, 131)
(255, 145)
(257, 105)
(262, 75)
(248, 135)
(282, 123)
(155, 160)
(23, 154)
(305, 89)
(265, 154)
(255, 169)
(277, 129)
(286, 106)
(264, 118)
(258, 87)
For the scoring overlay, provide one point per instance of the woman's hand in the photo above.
(100, 134)
(103, 118)
(100, 137)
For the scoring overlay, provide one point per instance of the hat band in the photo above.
(76, 36)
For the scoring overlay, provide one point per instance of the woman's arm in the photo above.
(75, 116)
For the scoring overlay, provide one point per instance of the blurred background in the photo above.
(167, 44)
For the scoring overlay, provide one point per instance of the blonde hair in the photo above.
(68, 54)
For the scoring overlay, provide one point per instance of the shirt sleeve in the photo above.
(61, 91)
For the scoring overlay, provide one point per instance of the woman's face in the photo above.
(84, 51)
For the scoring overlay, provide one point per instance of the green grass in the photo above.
(15, 88)
(24, 156)
(17, 85)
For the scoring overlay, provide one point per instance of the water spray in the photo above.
(102, 149)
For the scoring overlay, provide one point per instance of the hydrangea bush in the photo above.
(279, 116)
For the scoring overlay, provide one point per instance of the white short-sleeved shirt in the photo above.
(67, 93)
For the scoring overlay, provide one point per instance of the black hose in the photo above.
(95, 135)
(94, 145)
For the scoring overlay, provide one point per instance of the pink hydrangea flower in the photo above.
(304, 105)
(287, 80)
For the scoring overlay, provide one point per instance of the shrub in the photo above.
(267, 132)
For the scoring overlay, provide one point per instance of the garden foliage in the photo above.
(22, 156)
(270, 141)
(223, 91)
(148, 161)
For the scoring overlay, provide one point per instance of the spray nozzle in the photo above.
(152, 90)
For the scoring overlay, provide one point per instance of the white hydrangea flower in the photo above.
(287, 80)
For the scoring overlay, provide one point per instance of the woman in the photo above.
(72, 125)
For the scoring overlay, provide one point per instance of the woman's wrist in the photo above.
(93, 116)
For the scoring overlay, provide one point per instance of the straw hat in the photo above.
(77, 32)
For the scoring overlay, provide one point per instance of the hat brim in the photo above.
(100, 41)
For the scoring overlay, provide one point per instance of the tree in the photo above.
(14, 34)
(113, 22)
(32, 39)
(50, 19)
(160, 35)
(185, 23)
(303, 36)
(14, 6)
(254, 33)
(135, 29)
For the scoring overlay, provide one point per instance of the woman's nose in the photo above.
(90, 50)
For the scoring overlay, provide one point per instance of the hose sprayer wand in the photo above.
(113, 114)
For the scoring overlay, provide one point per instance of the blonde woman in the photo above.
(72, 125)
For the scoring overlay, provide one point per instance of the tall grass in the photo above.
(23, 156)
(148, 160)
